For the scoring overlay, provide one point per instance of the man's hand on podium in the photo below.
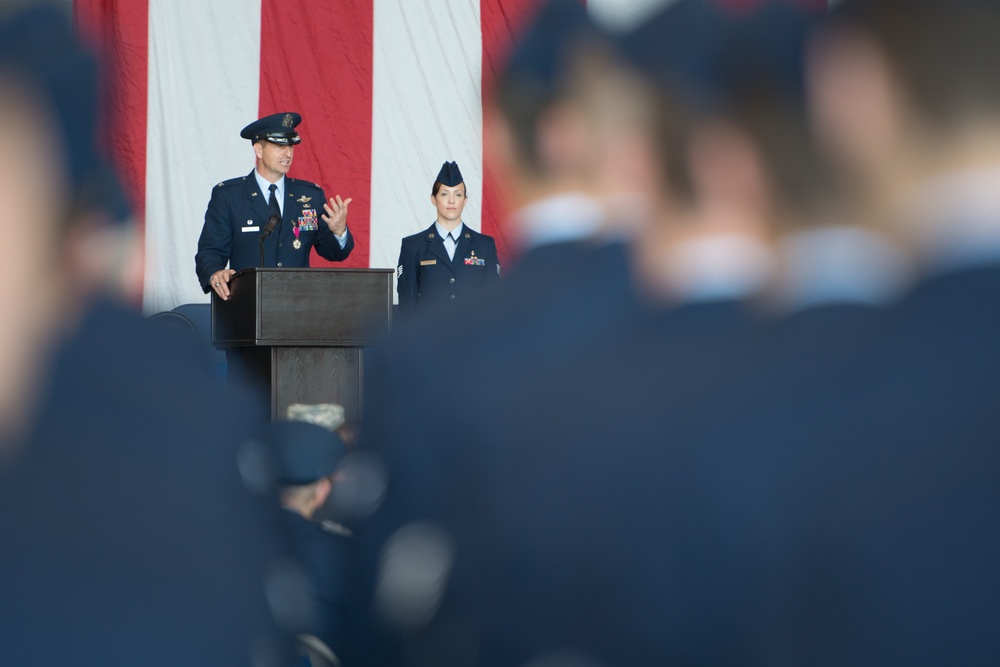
(220, 283)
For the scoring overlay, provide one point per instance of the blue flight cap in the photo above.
(303, 452)
(277, 128)
(450, 175)
(542, 57)
(39, 49)
(710, 54)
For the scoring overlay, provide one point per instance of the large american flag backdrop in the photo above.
(388, 90)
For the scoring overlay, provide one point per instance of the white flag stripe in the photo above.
(426, 109)
(204, 69)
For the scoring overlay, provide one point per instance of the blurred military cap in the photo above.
(709, 52)
(303, 452)
(542, 57)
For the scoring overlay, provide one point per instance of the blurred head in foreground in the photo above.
(62, 209)
(732, 140)
(567, 120)
(48, 93)
(306, 457)
(904, 92)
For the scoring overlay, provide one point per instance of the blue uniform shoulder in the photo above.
(239, 180)
(477, 235)
(478, 238)
(424, 235)
(300, 184)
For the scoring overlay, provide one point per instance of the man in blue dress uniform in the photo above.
(284, 211)
(448, 260)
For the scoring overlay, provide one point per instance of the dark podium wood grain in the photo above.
(299, 334)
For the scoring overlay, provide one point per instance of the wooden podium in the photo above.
(299, 334)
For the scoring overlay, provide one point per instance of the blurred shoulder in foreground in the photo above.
(135, 526)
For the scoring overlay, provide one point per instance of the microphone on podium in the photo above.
(272, 222)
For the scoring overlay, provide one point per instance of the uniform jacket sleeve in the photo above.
(492, 262)
(328, 247)
(406, 280)
(216, 240)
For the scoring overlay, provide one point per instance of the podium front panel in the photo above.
(294, 378)
(314, 307)
(269, 307)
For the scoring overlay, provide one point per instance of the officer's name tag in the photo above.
(428, 262)
(251, 229)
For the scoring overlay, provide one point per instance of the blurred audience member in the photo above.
(835, 467)
(911, 110)
(592, 478)
(35, 194)
(445, 424)
(130, 530)
(307, 458)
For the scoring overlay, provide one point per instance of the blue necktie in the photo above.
(273, 201)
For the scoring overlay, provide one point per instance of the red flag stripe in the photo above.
(119, 31)
(316, 58)
(501, 21)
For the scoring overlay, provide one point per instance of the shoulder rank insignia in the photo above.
(304, 200)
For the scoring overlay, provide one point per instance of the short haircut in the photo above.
(523, 100)
(945, 53)
(803, 184)
(776, 122)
